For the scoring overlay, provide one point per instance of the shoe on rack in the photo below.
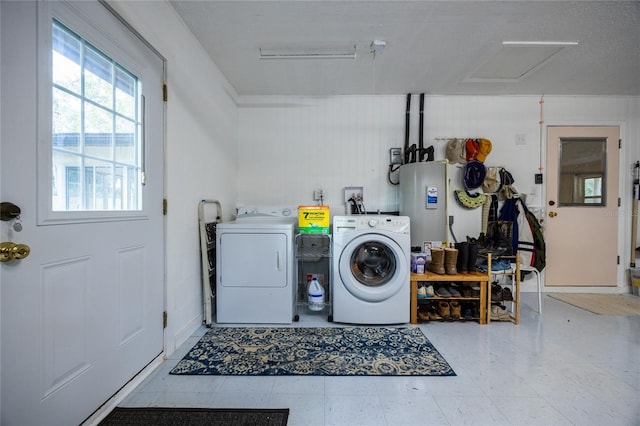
(433, 313)
(442, 291)
(475, 289)
(467, 311)
(506, 294)
(499, 313)
(437, 261)
(475, 311)
(422, 292)
(496, 293)
(423, 314)
(462, 260)
(466, 291)
(444, 310)
(453, 291)
(473, 255)
(494, 313)
(430, 292)
(455, 309)
(450, 260)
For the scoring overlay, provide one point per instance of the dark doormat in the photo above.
(160, 416)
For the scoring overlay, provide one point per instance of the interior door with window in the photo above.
(581, 228)
(82, 157)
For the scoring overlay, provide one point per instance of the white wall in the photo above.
(201, 156)
(289, 146)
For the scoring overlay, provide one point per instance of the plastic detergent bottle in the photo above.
(316, 295)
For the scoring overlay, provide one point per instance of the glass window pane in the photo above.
(66, 182)
(125, 94)
(98, 78)
(66, 59)
(66, 121)
(131, 197)
(125, 141)
(98, 130)
(582, 172)
(99, 185)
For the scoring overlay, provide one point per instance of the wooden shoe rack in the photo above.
(484, 299)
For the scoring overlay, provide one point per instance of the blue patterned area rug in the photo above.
(327, 351)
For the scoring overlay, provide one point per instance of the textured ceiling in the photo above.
(436, 47)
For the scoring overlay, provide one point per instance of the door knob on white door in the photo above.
(10, 251)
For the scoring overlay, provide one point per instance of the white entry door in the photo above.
(82, 128)
(581, 228)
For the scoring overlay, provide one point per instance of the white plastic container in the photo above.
(316, 295)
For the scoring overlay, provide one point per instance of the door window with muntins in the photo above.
(97, 154)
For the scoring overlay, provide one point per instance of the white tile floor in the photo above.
(566, 367)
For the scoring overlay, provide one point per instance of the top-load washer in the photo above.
(255, 267)
(371, 269)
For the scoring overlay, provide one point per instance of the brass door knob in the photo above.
(553, 214)
(10, 251)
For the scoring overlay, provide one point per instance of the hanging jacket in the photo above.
(526, 241)
(537, 257)
(509, 212)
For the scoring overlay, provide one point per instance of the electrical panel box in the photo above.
(395, 155)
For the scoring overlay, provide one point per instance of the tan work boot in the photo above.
(455, 309)
(444, 310)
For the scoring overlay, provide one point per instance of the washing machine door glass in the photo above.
(373, 267)
(373, 263)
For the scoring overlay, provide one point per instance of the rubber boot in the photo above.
(450, 261)
(463, 257)
(473, 256)
(437, 261)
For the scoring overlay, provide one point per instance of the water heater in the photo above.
(423, 197)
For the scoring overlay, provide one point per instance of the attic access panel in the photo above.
(513, 62)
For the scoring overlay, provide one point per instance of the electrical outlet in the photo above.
(538, 178)
(395, 156)
(318, 194)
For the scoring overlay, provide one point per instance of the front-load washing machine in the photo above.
(371, 272)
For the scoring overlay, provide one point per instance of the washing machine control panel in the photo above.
(267, 211)
(398, 224)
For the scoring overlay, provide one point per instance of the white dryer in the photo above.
(371, 269)
(255, 267)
